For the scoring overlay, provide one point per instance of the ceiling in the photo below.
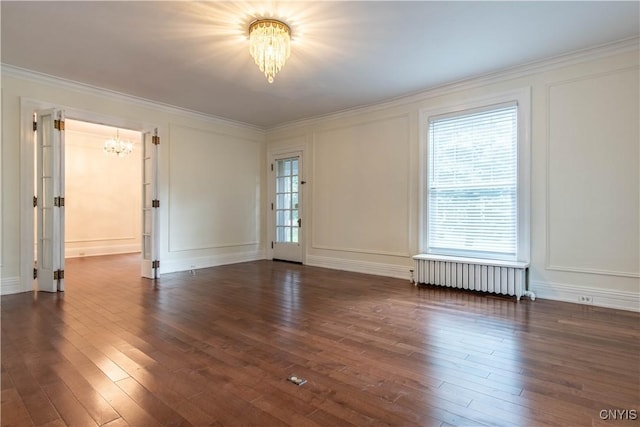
(345, 54)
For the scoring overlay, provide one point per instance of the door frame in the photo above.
(271, 195)
(27, 170)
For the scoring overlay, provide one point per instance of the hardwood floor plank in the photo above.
(95, 405)
(151, 404)
(15, 413)
(216, 348)
(70, 409)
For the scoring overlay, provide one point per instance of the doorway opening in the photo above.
(102, 191)
(102, 194)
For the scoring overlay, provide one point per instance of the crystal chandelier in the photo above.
(117, 146)
(269, 45)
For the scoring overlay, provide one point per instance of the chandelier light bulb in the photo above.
(269, 45)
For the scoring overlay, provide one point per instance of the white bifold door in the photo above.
(150, 205)
(287, 208)
(50, 200)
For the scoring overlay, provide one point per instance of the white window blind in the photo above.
(473, 183)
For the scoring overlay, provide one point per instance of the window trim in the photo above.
(522, 97)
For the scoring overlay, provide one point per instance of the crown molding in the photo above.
(547, 64)
(41, 78)
(522, 70)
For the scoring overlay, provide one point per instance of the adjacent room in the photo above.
(303, 213)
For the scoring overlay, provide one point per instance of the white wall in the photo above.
(361, 201)
(364, 179)
(103, 195)
(221, 222)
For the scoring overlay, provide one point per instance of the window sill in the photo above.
(477, 261)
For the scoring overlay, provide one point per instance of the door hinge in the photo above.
(58, 124)
(155, 203)
(271, 206)
(271, 167)
(58, 202)
(155, 264)
(35, 201)
(155, 140)
(35, 273)
(58, 275)
(35, 126)
(271, 245)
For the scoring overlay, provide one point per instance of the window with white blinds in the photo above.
(472, 183)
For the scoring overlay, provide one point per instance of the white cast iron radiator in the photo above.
(499, 277)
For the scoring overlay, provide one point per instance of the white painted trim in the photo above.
(544, 65)
(405, 254)
(522, 96)
(98, 239)
(475, 261)
(366, 267)
(186, 264)
(621, 300)
(11, 285)
(101, 250)
(27, 167)
(547, 211)
(213, 246)
(272, 155)
(41, 78)
(591, 270)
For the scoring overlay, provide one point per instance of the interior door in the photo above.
(287, 208)
(150, 205)
(50, 200)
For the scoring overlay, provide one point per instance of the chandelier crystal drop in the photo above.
(269, 45)
(118, 147)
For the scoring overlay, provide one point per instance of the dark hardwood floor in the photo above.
(216, 348)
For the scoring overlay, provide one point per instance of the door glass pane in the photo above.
(47, 254)
(47, 223)
(147, 196)
(147, 221)
(287, 200)
(147, 171)
(47, 160)
(147, 248)
(47, 192)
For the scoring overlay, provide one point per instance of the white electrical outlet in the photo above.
(585, 299)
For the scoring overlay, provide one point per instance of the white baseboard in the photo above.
(378, 269)
(101, 250)
(172, 266)
(584, 295)
(11, 285)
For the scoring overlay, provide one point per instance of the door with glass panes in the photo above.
(287, 208)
